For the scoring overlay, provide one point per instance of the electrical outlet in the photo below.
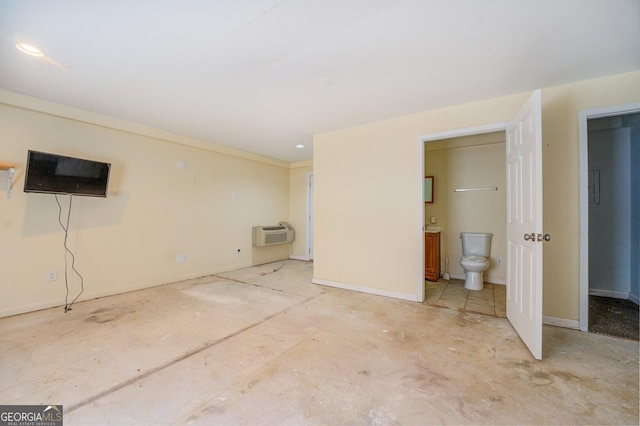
(52, 275)
(181, 258)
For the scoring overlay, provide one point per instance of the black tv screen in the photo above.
(57, 174)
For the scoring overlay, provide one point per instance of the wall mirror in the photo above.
(428, 189)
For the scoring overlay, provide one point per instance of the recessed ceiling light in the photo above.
(29, 50)
(299, 146)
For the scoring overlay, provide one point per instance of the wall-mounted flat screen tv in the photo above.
(57, 174)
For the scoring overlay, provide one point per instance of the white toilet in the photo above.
(476, 247)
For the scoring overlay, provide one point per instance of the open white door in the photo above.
(524, 223)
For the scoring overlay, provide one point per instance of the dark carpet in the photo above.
(613, 317)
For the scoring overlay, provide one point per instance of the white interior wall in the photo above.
(154, 210)
(368, 187)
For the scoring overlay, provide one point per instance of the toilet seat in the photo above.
(474, 258)
(474, 262)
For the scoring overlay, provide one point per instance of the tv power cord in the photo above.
(67, 305)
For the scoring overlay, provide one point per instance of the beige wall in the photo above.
(368, 190)
(298, 207)
(153, 211)
(470, 162)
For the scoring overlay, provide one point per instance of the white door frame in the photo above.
(432, 137)
(309, 221)
(583, 135)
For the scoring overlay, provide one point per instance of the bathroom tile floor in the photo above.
(451, 294)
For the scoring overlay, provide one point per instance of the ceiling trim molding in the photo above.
(301, 164)
(62, 111)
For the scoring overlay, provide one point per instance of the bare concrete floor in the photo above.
(255, 346)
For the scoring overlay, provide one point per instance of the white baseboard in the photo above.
(608, 293)
(561, 322)
(32, 308)
(363, 289)
(306, 259)
(635, 299)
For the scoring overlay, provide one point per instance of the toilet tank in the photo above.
(476, 243)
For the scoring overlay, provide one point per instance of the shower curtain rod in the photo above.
(489, 188)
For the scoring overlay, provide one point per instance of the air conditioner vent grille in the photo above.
(280, 237)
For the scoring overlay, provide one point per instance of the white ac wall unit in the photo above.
(272, 235)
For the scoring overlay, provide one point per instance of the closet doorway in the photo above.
(610, 221)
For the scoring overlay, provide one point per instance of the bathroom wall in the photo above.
(469, 162)
(610, 219)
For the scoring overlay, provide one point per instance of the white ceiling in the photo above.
(265, 75)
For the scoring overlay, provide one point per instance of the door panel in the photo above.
(524, 217)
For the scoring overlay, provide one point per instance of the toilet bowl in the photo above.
(474, 266)
(476, 248)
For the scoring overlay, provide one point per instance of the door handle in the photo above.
(531, 237)
(546, 237)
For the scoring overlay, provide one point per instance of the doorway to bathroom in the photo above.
(469, 187)
(610, 220)
(524, 234)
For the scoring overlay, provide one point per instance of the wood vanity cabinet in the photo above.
(432, 256)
